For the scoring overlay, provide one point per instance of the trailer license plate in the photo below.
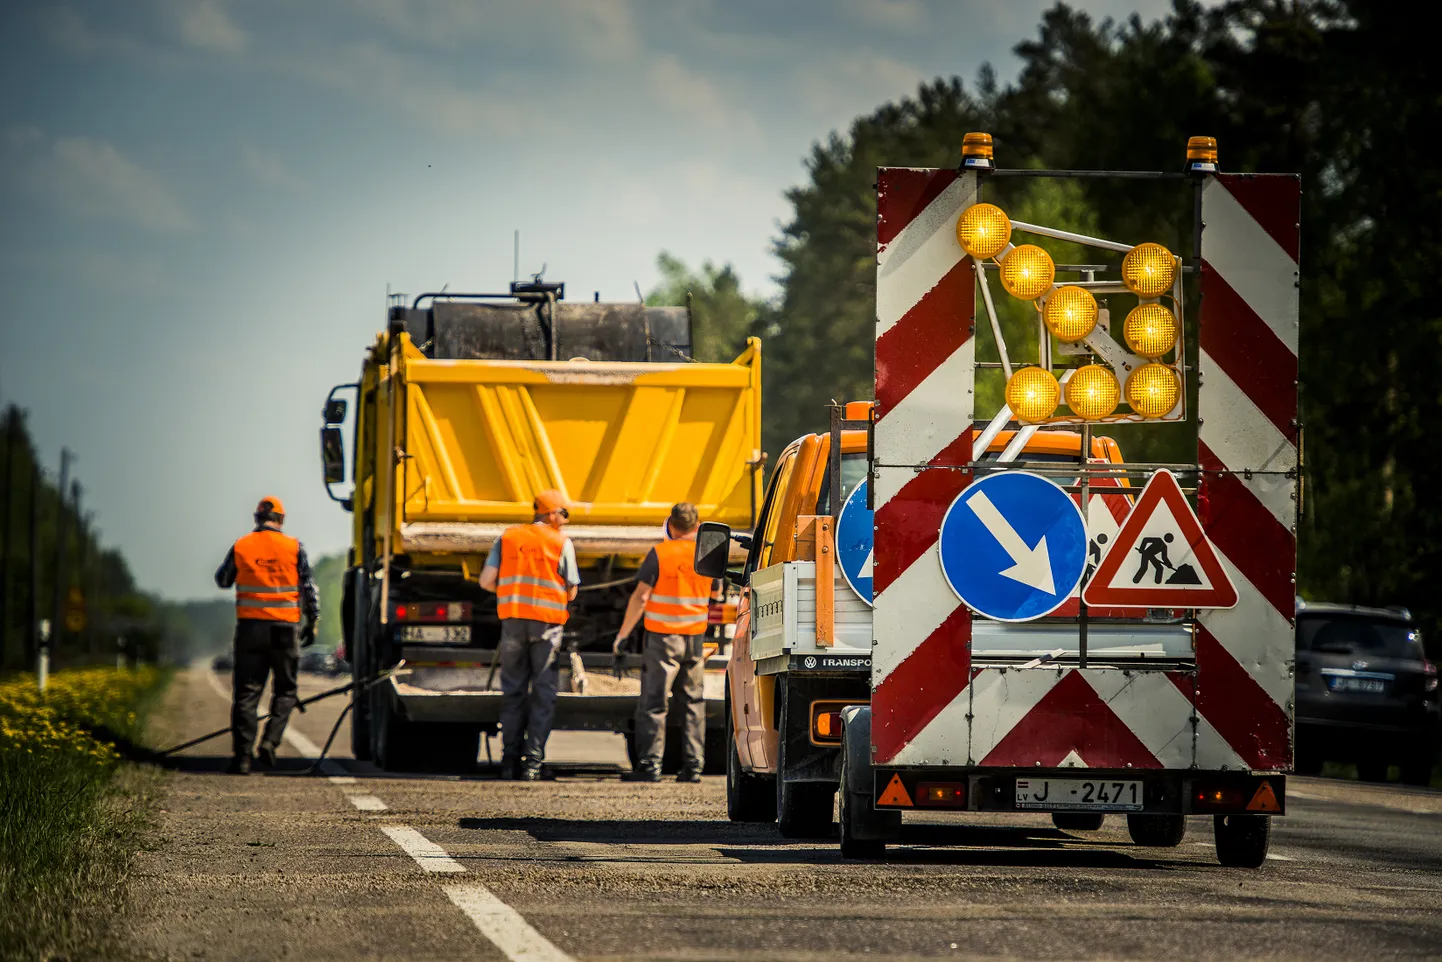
(1070, 794)
(443, 634)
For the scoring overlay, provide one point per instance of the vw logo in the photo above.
(1358, 665)
(810, 661)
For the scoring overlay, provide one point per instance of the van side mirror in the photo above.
(713, 549)
(332, 454)
(334, 412)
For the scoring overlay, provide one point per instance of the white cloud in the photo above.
(698, 99)
(92, 179)
(206, 25)
(267, 169)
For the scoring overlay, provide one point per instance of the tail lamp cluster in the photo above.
(431, 612)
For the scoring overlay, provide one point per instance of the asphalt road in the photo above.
(357, 865)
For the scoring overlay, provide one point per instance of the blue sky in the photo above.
(202, 203)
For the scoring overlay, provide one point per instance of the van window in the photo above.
(774, 502)
(763, 518)
(853, 472)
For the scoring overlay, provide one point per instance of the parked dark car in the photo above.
(1366, 692)
(222, 662)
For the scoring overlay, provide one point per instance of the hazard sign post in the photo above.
(1055, 628)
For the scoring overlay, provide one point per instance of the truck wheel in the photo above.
(1242, 840)
(1372, 770)
(1078, 821)
(360, 726)
(749, 798)
(853, 808)
(1157, 831)
(353, 609)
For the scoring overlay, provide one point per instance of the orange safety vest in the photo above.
(267, 577)
(529, 584)
(681, 598)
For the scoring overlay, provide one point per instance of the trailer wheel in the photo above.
(1157, 831)
(749, 798)
(1078, 821)
(852, 807)
(1242, 840)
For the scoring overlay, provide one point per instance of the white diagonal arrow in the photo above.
(1032, 566)
(866, 566)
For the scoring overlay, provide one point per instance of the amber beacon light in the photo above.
(1202, 155)
(976, 151)
(1033, 394)
(983, 230)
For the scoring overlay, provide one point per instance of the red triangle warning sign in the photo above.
(1265, 800)
(1161, 558)
(895, 794)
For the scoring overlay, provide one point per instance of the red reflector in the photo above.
(400, 611)
(941, 794)
(1218, 797)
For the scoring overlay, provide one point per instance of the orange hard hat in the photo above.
(548, 501)
(270, 505)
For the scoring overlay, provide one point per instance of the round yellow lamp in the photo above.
(1027, 272)
(1152, 390)
(984, 230)
(1148, 270)
(1092, 392)
(1070, 313)
(1032, 393)
(1150, 330)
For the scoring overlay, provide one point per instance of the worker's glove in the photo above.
(307, 634)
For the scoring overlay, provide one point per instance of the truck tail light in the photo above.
(432, 612)
(1429, 676)
(941, 795)
(826, 721)
(1209, 798)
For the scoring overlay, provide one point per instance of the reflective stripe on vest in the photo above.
(529, 584)
(681, 598)
(267, 577)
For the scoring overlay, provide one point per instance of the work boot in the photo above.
(265, 756)
(689, 773)
(644, 772)
(239, 765)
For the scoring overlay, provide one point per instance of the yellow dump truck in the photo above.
(469, 404)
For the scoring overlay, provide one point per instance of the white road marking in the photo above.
(368, 803)
(1280, 858)
(428, 854)
(295, 739)
(503, 925)
(342, 780)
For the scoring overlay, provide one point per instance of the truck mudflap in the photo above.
(1124, 791)
(461, 688)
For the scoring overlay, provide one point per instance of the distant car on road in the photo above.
(317, 660)
(222, 662)
(1366, 692)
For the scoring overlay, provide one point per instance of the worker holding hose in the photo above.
(532, 569)
(673, 602)
(274, 587)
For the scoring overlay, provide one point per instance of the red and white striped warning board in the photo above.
(930, 704)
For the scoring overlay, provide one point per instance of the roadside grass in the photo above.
(71, 812)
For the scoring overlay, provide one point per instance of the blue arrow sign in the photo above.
(854, 542)
(1013, 546)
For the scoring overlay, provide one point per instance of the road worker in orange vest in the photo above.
(672, 601)
(274, 588)
(532, 569)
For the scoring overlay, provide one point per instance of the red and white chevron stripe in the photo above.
(924, 373)
(929, 705)
(1247, 448)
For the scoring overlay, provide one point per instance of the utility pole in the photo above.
(82, 544)
(32, 603)
(62, 535)
(6, 543)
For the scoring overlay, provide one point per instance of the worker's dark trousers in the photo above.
(672, 662)
(528, 688)
(263, 647)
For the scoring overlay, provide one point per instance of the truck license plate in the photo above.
(442, 634)
(1071, 794)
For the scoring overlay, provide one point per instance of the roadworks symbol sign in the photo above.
(1161, 558)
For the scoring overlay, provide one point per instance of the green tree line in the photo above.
(1340, 91)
